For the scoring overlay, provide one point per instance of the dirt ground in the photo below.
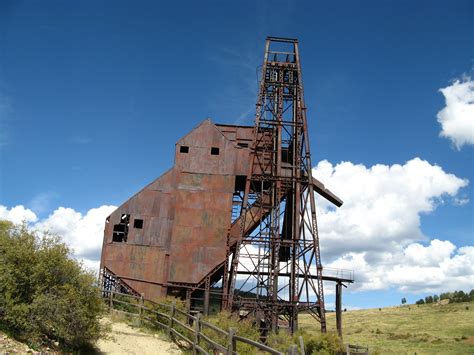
(127, 340)
(11, 346)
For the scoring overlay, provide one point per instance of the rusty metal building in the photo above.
(176, 235)
(172, 234)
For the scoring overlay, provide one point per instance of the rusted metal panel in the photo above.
(138, 263)
(203, 208)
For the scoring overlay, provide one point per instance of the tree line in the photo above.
(453, 297)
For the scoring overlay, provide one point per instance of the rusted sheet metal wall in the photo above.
(199, 237)
(186, 213)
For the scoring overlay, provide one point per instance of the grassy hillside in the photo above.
(423, 329)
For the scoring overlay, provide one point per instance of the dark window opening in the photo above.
(240, 181)
(284, 155)
(184, 149)
(214, 151)
(120, 233)
(243, 145)
(138, 223)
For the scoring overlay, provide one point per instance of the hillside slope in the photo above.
(424, 329)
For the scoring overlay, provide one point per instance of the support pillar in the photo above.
(338, 308)
(206, 296)
(188, 300)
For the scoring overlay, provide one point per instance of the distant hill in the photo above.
(428, 328)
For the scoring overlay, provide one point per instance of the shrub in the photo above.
(243, 327)
(328, 343)
(281, 341)
(45, 295)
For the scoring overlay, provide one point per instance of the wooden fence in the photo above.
(187, 327)
(193, 330)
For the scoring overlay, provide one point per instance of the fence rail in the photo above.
(191, 331)
(193, 326)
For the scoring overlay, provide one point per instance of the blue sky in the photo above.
(94, 95)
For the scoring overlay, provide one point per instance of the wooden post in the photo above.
(338, 308)
(173, 310)
(301, 345)
(207, 288)
(293, 349)
(197, 329)
(232, 345)
(111, 300)
(140, 309)
(188, 300)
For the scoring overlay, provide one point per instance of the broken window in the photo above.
(240, 181)
(138, 223)
(120, 233)
(184, 149)
(214, 151)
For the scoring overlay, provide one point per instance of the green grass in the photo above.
(409, 329)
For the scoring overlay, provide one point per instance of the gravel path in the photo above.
(127, 340)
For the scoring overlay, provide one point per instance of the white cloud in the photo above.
(377, 230)
(17, 214)
(457, 117)
(83, 233)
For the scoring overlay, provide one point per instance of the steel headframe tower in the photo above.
(275, 268)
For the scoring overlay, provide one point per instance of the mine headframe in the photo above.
(274, 270)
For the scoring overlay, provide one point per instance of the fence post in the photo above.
(173, 308)
(111, 300)
(232, 344)
(140, 309)
(301, 345)
(197, 329)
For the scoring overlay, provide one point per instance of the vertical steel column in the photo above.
(339, 308)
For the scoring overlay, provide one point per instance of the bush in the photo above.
(318, 343)
(281, 341)
(328, 343)
(45, 295)
(243, 327)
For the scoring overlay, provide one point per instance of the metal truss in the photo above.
(274, 270)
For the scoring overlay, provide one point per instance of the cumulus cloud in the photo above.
(83, 233)
(377, 232)
(457, 117)
(17, 214)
